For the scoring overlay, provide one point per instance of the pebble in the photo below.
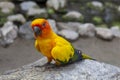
(97, 4)
(104, 33)
(56, 4)
(37, 11)
(69, 25)
(26, 5)
(69, 34)
(73, 14)
(116, 31)
(17, 17)
(8, 32)
(6, 7)
(87, 30)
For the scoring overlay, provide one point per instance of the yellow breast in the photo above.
(45, 47)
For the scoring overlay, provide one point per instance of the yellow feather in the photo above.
(63, 50)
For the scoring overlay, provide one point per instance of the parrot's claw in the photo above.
(47, 66)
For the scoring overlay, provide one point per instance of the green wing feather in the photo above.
(78, 56)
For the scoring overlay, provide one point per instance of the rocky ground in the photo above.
(92, 26)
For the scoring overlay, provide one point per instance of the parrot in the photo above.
(53, 46)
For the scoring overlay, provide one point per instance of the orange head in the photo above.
(41, 27)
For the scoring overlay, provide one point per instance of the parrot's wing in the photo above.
(37, 45)
(62, 53)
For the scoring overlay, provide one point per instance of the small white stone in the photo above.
(9, 27)
(73, 14)
(87, 29)
(104, 33)
(116, 31)
(69, 34)
(6, 7)
(5, 10)
(26, 5)
(36, 11)
(56, 4)
(97, 4)
(119, 8)
(17, 17)
(8, 33)
(70, 25)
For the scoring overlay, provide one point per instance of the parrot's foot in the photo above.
(46, 65)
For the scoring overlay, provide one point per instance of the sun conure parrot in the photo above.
(53, 46)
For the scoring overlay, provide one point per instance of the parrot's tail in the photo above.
(79, 56)
(84, 56)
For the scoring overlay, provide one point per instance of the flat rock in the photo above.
(84, 70)
(69, 34)
(104, 33)
(87, 30)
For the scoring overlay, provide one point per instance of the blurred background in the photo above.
(92, 26)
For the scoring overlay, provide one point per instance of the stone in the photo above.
(25, 31)
(26, 5)
(8, 33)
(119, 8)
(69, 34)
(116, 31)
(53, 25)
(37, 11)
(104, 33)
(17, 17)
(87, 30)
(84, 70)
(6, 7)
(70, 25)
(56, 4)
(97, 4)
(73, 15)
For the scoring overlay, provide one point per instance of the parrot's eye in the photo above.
(44, 25)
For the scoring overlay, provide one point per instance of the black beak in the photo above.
(37, 31)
